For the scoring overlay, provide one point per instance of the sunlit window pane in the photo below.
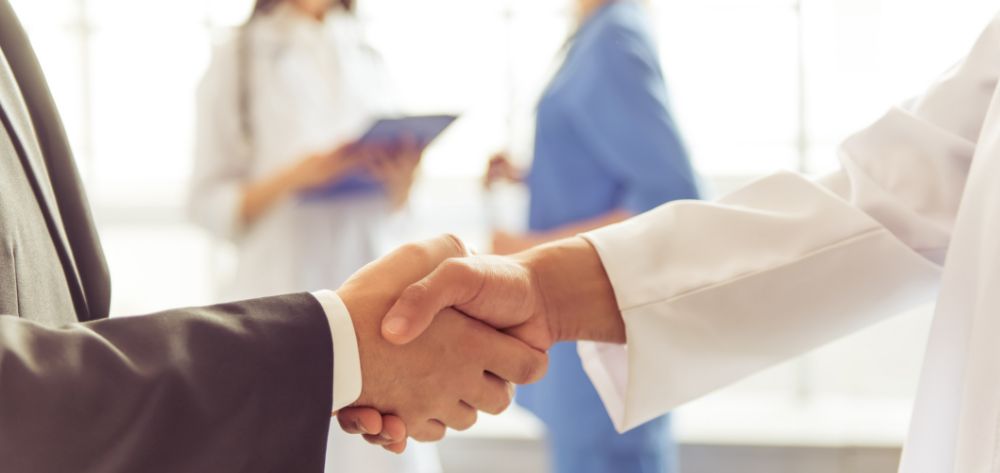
(143, 90)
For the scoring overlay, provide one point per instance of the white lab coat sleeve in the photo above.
(713, 292)
(222, 155)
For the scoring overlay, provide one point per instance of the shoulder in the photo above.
(220, 76)
(620, 29)
(224, 59)
(225, 45)
(622, 20)
(618, 41)
(258, 38)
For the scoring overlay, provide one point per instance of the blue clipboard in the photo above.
(424, 129)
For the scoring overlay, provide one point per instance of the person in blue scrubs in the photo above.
(606, 148)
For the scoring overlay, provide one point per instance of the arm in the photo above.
(220, 388)
(711, 292)
(206, 389)
(622, 114)
(225, 197)
(222, 154)
(317, 170)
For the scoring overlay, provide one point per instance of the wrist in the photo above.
(367, 343)
(574, 292)
(285, 182)
(347, 378)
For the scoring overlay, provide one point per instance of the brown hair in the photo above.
(260, 7)
(263, 6)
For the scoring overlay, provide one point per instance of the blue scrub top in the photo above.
(605, 140)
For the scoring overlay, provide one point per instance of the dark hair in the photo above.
(259, 7)
(262, 6)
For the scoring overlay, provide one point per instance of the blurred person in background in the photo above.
(606, 148)
(278, 112)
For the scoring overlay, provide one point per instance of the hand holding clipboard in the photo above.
(385, 133)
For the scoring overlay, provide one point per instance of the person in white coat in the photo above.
(693, 296)
(278, 110)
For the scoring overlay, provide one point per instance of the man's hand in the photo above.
(501, 292)
(457, 367)
(555, 292)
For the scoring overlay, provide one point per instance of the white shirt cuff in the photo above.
(346, 360)
(607, 367)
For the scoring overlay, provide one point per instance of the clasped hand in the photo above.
(458, 329)
(423, 374)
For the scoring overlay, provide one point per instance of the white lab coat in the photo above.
(312, 86)
(712, 292)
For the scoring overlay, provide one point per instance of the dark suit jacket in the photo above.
(241, 387)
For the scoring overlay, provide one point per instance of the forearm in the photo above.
(576, 293)
(196, 380)
(262, 195)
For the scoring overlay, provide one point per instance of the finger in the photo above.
(411, 262)
(431, 431)
(513, 360)
(360, 420)
(396, 448)
(493, 396)
(460, 417)
(394, 428)
(393, 431)
(452, 283)
(378, 440)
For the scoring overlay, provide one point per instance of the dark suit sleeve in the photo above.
(240, 387)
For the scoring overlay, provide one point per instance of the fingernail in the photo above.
(396, 325)
(384, 436)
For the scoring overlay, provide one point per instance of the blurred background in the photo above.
(756, 85)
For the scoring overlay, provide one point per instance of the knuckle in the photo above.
(452, 266)
(457, 269)
(495, 409)
(508, 396)
(501, 402)
(437, 434)
(422, 435)
(466, 422)
(455, 244)
(347, 425)
(411, 248)
(414, 294)
(430, 432)
(417, 251)
(499, 398)
(532, 369)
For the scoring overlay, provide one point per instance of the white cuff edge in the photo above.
(599, 359)
(347, 380)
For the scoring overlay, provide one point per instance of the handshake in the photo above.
(443, 334)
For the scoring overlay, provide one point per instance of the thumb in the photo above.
(452, 283)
